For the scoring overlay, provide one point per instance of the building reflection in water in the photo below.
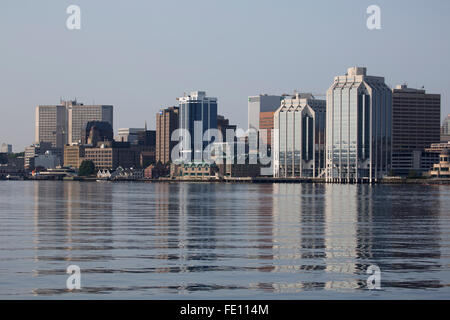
(274, 237)
(71, 220)
(399, 231)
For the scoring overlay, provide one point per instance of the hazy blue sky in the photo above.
(140, 55)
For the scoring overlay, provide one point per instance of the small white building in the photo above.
(104, 174)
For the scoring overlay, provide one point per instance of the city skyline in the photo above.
(139, 78)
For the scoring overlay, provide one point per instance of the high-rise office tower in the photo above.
(78, 115)
(167, 121)
(198, 114)
(299, 137)
(359, 128)
(51, 125)
(416, 120)
(63, 124)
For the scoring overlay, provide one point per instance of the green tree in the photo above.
(87, 168)
(412, 174)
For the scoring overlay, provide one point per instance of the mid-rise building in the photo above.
(6, 148)
(167, 121)
(73, 155)
(198, 114)
(415, 125)
(130, 135)
(35, 150)
(48, 160)
(97, 131)
(260, 104)
(111, 155)
(445, 130)
(299, 137)
(442, 169)
(359, 128)
(446, 126)
(261, 109)
(223, 125)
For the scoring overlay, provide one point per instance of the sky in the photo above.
(140, 55)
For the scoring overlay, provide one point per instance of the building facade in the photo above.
(445, 129)
(73, 156)
(261, 109)
(359, 128)
(442, 169)
(128, 135)
(6, 148)
(111, 156)
(48, 160)
(167, 121)
(259, 104)
(299, 137)
(51, 125)
(416, 117)
(78, 115)
(198, 114)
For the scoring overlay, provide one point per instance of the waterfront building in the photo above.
(198, 170)
(6, 148)
(299, 137)
(111, 155)
(35, 150)
(235, 170)
(51, 125)
(197, 114)
(78, 115)
(359, 128)
(415, 125)
(167, 121)
(442, 169)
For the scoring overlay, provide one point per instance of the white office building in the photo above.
(359, 128)
(299, 137)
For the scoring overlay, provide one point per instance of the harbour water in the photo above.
(223, 241)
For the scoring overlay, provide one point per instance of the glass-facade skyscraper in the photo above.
(359, 128)
(197, 114)
(299, 137)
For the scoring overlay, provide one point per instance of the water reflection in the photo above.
(278, 239)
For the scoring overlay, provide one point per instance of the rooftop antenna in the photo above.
(145, 125)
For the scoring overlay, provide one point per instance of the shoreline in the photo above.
(259, 180)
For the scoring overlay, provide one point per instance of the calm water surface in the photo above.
(223, 241)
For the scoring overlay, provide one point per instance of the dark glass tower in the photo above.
(197, 114)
